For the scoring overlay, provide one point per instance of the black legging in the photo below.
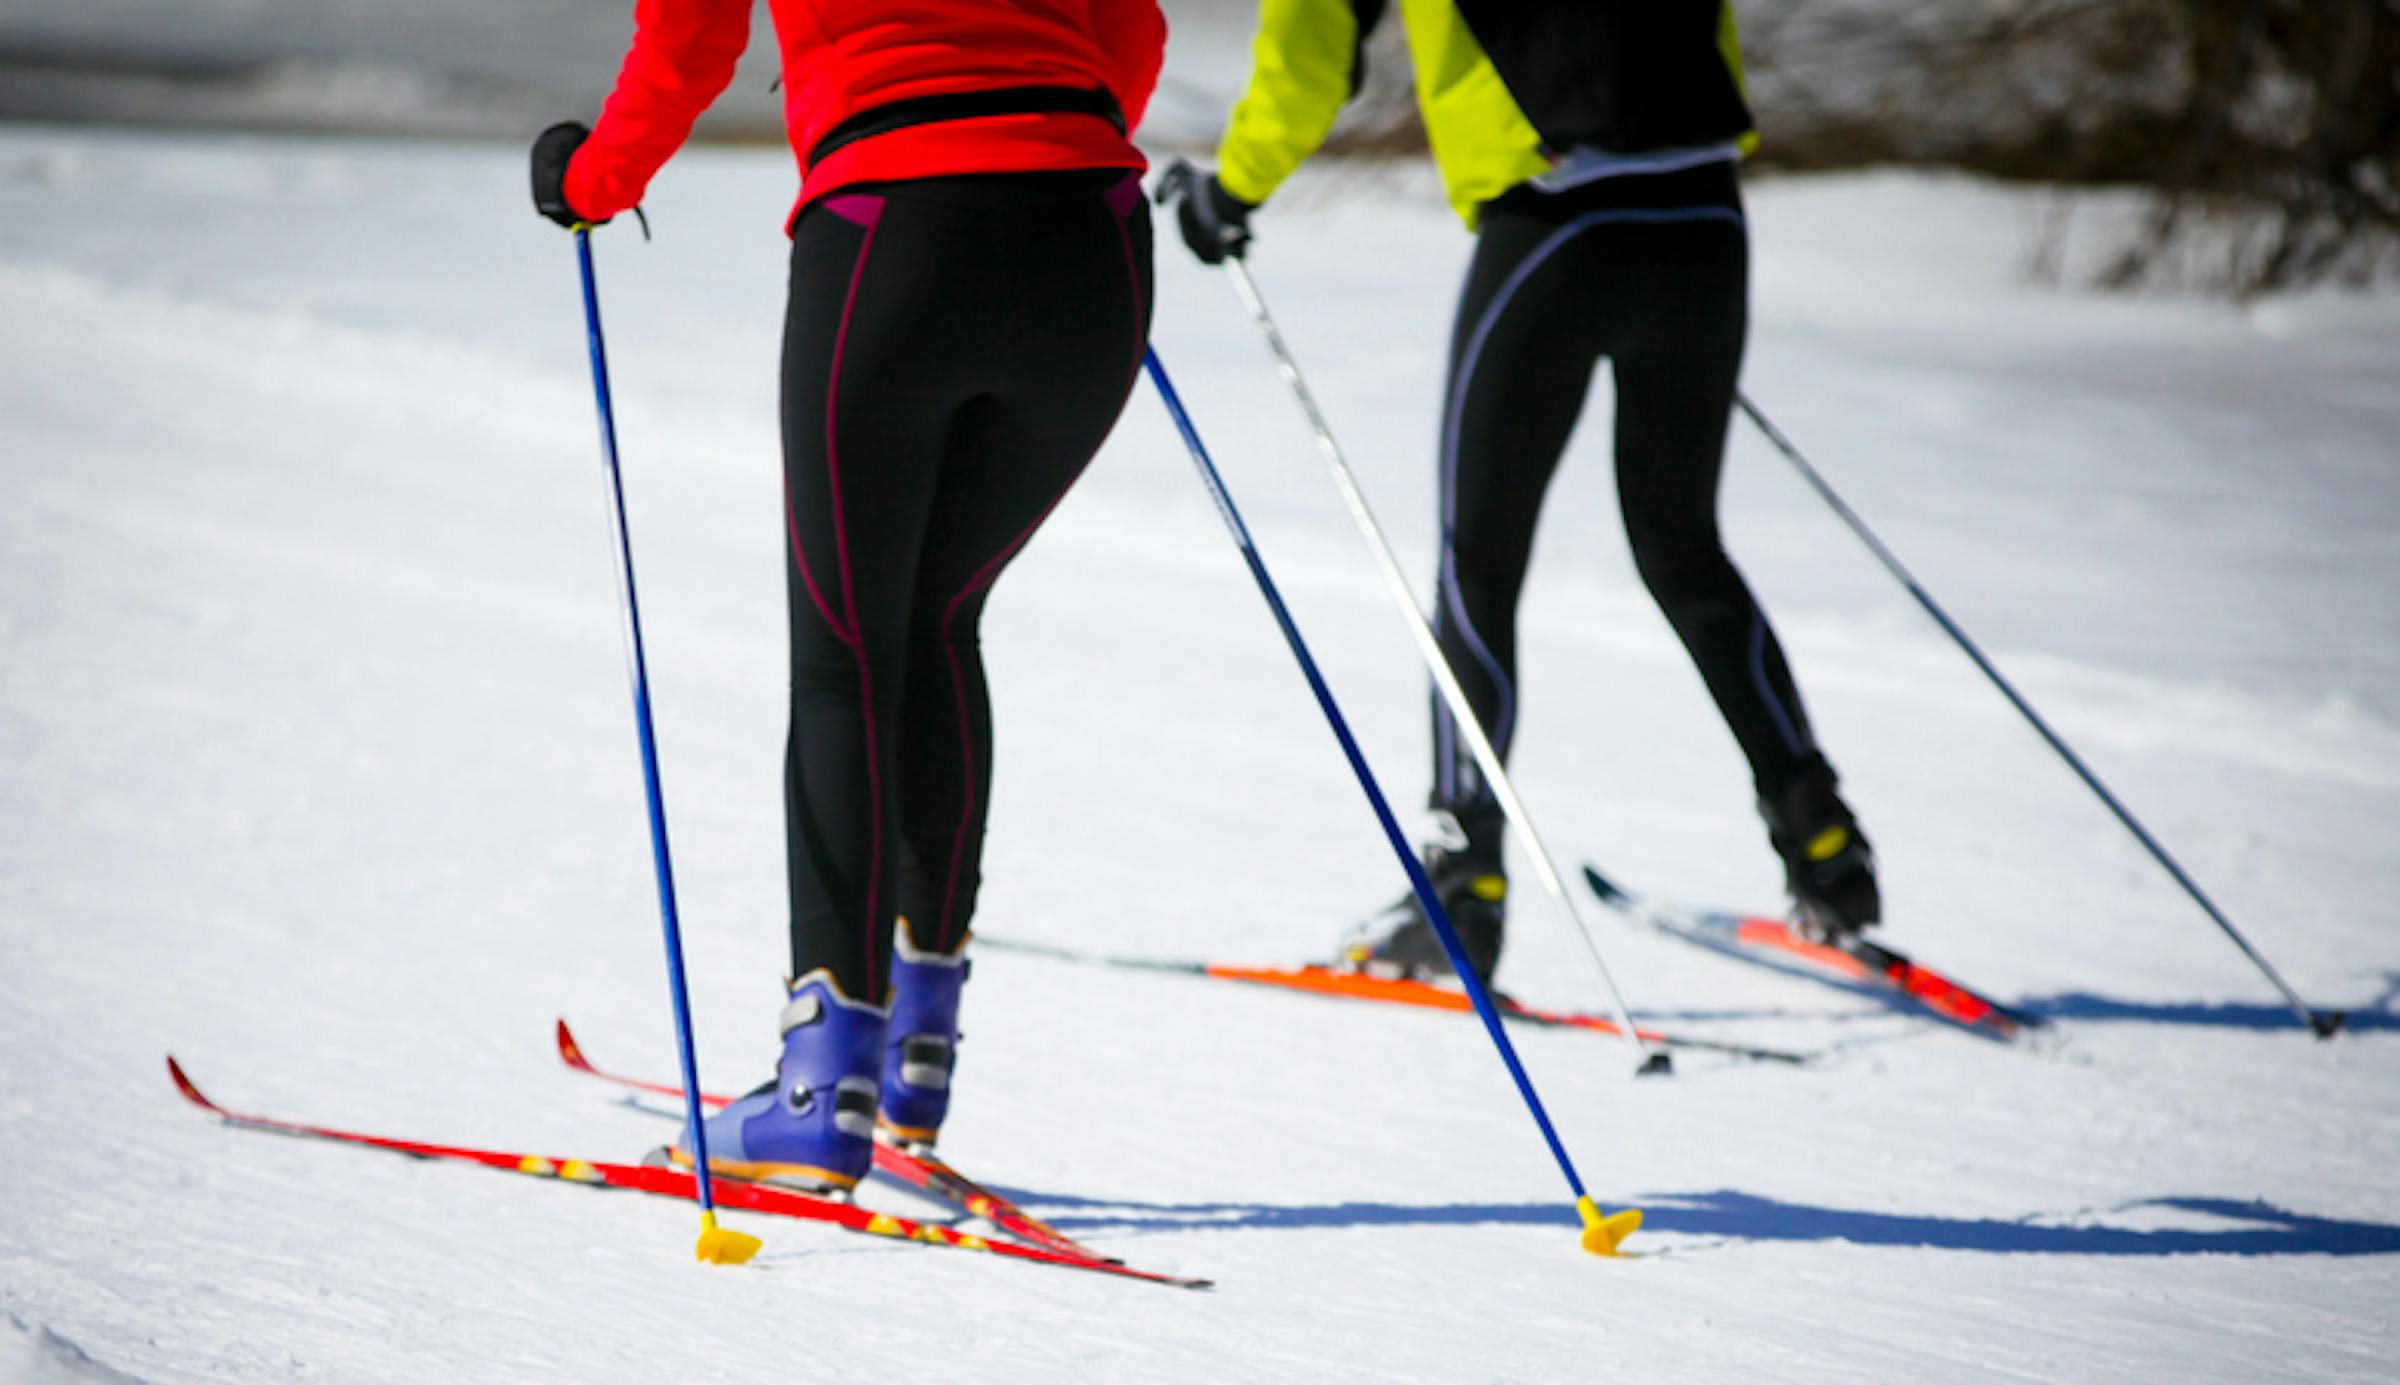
(955, 352)
(1650, 272)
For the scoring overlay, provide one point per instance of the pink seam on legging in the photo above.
(864, 210)
(844, 207)
(791, 524)
(857, 208)
(1124, 195)
(1122, 200)
(983, 577)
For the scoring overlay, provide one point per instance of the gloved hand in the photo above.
(551, 151)
(1215, 223)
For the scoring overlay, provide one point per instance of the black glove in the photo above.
(551, 151)
(1215, 223)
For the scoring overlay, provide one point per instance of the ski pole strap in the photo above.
(966, 105)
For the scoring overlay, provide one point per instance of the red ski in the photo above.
(731, 1194)
(922, 1172)
(1855, 964)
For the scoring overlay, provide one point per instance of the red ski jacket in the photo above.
(842, 58)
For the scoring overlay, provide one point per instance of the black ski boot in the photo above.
(1400, 942)
(1827, 864)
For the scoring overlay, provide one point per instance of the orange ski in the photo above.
(1342, 983)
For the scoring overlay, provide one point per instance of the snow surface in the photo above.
(319, 773)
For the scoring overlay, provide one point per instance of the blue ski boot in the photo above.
(921, 1046)
(813, 1127)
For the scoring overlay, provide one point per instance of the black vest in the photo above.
(1622, 75)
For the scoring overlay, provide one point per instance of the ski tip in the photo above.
(720, 1246)
(1604, 1232)
(184, 1084)
(568, 1050)
(1601, 884)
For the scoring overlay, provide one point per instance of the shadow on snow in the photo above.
(2262, 1229)
(2376, 1016)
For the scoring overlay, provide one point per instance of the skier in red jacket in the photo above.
(969, 304)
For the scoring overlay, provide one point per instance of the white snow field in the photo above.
(317, 770)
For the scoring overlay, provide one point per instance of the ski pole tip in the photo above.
(1603, 1232)
(2327, 1023)
(1658, 1064)
(719, 1246)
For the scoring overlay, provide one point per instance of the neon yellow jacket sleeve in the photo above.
(1301, 74)
(1729, 43)
(1482, 141)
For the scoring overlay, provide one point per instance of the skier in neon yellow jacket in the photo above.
(1591, 145)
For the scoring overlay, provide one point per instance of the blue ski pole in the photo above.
(2322, 1023)
(1602, 1232)
(717, 1245)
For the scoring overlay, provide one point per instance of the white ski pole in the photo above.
(1487, 758)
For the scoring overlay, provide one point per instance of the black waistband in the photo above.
(968, 105)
